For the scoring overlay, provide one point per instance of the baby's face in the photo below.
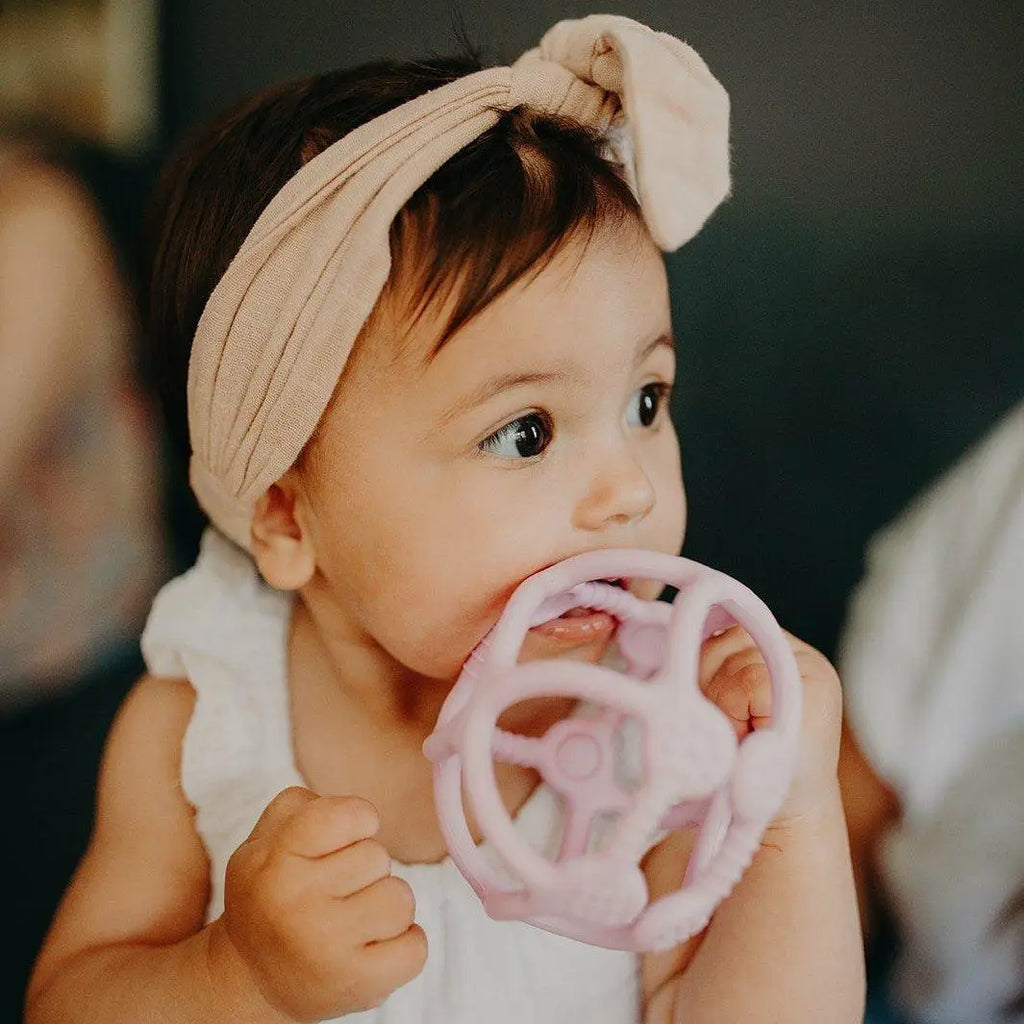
(539, 431)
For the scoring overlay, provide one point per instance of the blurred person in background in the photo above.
(933, 758)
(81, 536)
(79, 533)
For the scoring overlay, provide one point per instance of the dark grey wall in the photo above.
(904, 109)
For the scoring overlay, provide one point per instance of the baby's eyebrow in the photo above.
(502, 382)
(664, 339)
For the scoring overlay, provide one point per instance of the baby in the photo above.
(421, 320)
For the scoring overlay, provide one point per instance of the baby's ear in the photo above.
(281, 544)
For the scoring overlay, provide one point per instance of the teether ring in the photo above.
(692, 770)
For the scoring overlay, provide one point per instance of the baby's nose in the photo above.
(619, 493)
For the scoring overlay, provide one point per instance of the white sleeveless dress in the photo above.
(224, 629)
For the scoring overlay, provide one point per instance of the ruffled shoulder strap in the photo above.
(220, 609)
(224, 629)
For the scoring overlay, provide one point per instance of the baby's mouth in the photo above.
(581, 625)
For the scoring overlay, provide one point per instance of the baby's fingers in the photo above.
(284, 806)
(388, 965)
(351, 870)
(742, 688)
(328, 824)
(385, 910)
(716, 650)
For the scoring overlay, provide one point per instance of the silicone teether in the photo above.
(691, 770)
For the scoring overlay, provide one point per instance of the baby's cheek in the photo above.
(441, 634)
(670, 511)
(441, 653)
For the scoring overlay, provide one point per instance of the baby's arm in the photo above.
(785, 946)
(314, 925)
(128, 941)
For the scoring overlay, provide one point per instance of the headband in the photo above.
(278, 328)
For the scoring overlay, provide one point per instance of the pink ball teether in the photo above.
(691, 769)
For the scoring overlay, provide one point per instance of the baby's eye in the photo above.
(523, 438)
(646, 403)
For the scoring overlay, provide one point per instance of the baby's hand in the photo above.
(312, 908)
(734, 676)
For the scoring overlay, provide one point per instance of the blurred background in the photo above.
(849, 323)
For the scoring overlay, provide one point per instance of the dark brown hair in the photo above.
(499, 209)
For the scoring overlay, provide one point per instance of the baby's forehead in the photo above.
(438, 282)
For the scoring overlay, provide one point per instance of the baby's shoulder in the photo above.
(144, 745)
(156, 699)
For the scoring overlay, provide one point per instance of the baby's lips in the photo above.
(571, 629)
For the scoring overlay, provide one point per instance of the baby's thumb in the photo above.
(286, 804)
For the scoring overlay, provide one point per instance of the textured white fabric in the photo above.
(225, 630)
(933, 669)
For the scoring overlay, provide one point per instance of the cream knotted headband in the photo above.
(278, 329)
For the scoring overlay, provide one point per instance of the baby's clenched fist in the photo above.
(313, 910)
(734, 676)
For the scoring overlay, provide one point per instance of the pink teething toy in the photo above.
(691, 769)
